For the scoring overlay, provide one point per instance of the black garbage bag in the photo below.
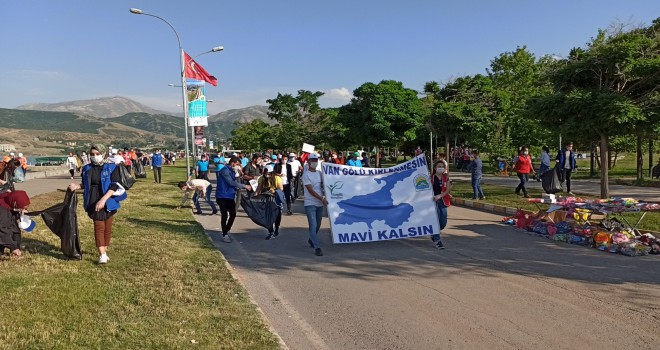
(262, 209)
(138, 170)
(62, 219)
(550, 182)
(127, 180)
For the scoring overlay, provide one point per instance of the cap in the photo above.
(11, 153)
(313, 156)
(357, 154)
(270, 168)
(27, 224)
(20, 154)
(273, 157)
(292, 154)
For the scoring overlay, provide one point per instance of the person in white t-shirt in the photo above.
(284, 170)
(314, 201)
(296, 169)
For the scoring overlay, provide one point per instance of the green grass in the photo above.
(505, 196)
(166, 286)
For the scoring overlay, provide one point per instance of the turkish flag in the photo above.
(195, 71)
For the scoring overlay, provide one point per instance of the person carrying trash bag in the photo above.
(550, 181)
(271, 183)
(62, 220)
(13, 207)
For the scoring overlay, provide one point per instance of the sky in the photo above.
(65, 50)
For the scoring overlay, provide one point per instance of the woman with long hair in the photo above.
(441, 197)
(102, 192)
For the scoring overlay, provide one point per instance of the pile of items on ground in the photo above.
(590, 223)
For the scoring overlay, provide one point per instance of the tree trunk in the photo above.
(447, 153)
(604, 159)
(650, 156)
(640, 158)
(377, 156)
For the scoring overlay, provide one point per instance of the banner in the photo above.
(379, 204)
(197, 113)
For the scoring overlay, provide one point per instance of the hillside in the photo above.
(158, 123)
(105, 107)
(222, 124)
(52, 121)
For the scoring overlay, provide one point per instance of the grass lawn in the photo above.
(505, 196)
(166, 286)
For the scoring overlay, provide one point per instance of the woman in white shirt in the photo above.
(72, 163)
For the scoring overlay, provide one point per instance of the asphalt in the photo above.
(493, 287)
(578, 186)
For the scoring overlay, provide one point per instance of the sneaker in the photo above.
(270, 236)
(289, 213)
(518, 193)
(276, 233)
(482, 198)
(527, 196)
(318, 252)
(103, 259)
(309, 241)
(571, 193)
(198, 213)
(439, 245)
(226, 239)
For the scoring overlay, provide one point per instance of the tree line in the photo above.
(604, 97)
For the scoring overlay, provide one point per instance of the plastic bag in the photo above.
(19, 176)
(127, 180)
(262, 209)
(138, 170)
(63, 221)
(550, 182)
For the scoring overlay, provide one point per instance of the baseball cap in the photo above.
(273, 157)
(313, 156)
(292, 154)
(357, 154)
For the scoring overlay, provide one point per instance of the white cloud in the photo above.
(342, 94)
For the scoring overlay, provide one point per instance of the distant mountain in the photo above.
(159, 123)
(105, 107)
(222, 124)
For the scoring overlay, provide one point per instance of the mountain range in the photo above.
(115, 118)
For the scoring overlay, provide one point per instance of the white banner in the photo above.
(378, 204)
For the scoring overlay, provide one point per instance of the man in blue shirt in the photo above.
(225, 194)
(157, 163)
(355, 161)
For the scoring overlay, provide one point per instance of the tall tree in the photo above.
(297, 117)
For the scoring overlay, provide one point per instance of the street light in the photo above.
(184, 98)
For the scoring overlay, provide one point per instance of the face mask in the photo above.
(440, 170)
(525, 153)
(313, 164)
(97, 159)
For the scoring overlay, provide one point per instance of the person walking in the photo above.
(365, 160)
(355, 161)
(523, 167)
(476, 170)
(225, 193)
(566, 163)
(283, 170)
(72, 163)
(313, 201)
(102, 192)
(545, 162)
(157, 164)
(296, 170)
(441, 197)
(85, 158)
(271, 184)
(199, 187)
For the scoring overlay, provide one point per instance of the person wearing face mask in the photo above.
(225, 194)
(441, 197)
(102, 192)
(314, 201)
(203, 168)
(12, 206)
(157, 164)
(523, 166)
(566, 164)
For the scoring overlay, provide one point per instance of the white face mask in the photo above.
(525, 153)
(313, 164)
(440, 170)
(97, 159)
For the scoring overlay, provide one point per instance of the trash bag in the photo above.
(62, 219)
(261, 209)
(19, 176)
(550, 182)
(138, 170)
(127, 180)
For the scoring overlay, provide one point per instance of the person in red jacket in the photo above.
(523, 166)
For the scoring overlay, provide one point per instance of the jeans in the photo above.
(157, 174)
(203, 175)
(523, 180)
(442, 218)
(227, 214)
(476, 186)
(567, 177)
(195, 199)
(314, 218)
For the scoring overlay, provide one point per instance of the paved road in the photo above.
(493, 287)
(36, 187)
(581, 186)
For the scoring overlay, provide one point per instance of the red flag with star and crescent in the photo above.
(195, 71)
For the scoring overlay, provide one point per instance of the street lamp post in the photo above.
(184, 98)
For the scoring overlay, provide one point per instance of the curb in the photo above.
(487, 207)
(45, 174)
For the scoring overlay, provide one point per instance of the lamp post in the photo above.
(184, 98)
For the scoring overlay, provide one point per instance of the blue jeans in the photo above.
(195, 199)
(476, 186)
(442, 218)
(523, 181)
(314, 218)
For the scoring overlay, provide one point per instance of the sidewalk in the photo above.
(35, 187)
(588, 187)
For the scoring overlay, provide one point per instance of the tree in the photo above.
(298, 117)
(382, 114)
(255, 135)
(607, 89)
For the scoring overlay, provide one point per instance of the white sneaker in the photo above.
(226, 238)
(103, 259)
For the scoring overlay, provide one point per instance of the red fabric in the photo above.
(195, 71)
(303, 157)
(14, 200)
(445, 180)
(524, 165)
